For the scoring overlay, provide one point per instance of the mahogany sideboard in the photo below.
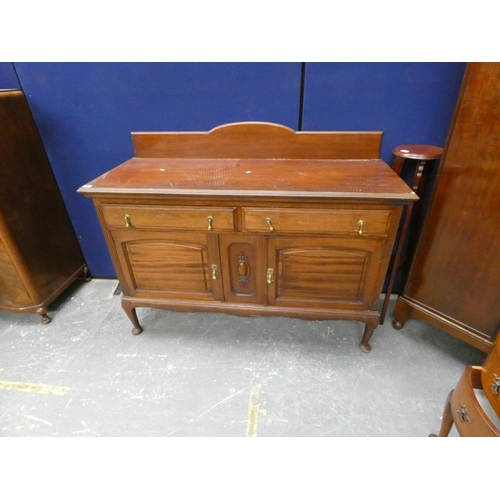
(253, 218)
(39, 252)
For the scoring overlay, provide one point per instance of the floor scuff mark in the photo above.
(220, 402)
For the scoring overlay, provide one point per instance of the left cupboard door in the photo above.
(170, 265)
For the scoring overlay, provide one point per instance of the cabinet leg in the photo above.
(86, 274)
(369, 329)
(127, 307)
(42, 311)
(397, 324)
(447, 420)
(401, 314)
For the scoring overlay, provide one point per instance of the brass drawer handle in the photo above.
(269, 222)
(215, 274)
(361, 224)
(210, 220)
(495, 386)
(270, 275)
(127, 220)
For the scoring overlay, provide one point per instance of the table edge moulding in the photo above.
(255, 219)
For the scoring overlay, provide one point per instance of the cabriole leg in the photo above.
(369, 329)
(447, 420)
(127, 307)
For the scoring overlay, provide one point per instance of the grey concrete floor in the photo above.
(216, 375)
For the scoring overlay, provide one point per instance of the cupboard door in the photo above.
(324, 272)
(170, 265)
(243, 268)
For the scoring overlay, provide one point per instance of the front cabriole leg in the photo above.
(130, 310)
(371, 324)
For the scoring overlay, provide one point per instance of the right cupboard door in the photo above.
(324, 272)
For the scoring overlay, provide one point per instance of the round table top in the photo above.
(418, 151)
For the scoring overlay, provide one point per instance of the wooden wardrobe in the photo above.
(39, 253)
(454, 281)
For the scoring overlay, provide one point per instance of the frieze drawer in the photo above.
(331, 221)
(162, 217)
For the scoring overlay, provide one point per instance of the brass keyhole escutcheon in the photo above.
(270, 275)
(269, 222)
(361, 224)
(210, 220)
(127, 220)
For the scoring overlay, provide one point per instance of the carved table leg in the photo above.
(369, 329)
(42, 311)
(127, 307)
(447, 420)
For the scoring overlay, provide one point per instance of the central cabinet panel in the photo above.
(243, 268)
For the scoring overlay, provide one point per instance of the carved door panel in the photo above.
(170, 265)
(243, 268)
(326, 272)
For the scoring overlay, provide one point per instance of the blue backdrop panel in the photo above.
(412, 103)
(86, 111)
(8, 77)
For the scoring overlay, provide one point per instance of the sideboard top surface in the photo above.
(255, 159)
(347, 179)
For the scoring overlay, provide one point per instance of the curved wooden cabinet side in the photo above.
(39, 253)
